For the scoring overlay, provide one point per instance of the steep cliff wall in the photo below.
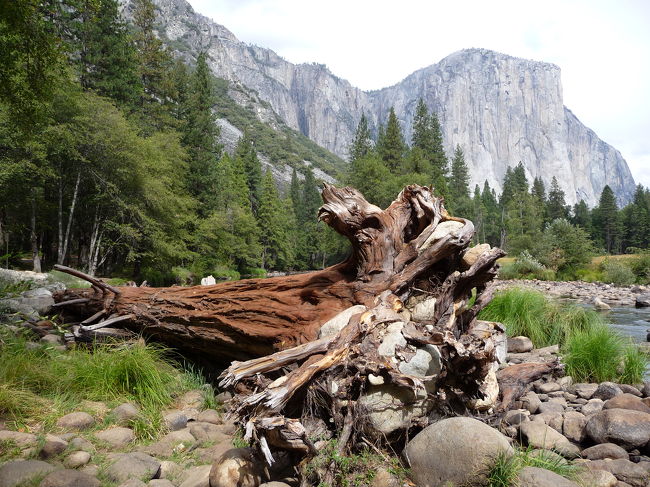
(499, 108)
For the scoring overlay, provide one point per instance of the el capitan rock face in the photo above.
(499, 108)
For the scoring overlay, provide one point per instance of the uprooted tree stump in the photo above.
(368, 347)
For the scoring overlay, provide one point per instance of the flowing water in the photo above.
(629, 321)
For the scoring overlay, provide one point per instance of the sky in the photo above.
(601, 46)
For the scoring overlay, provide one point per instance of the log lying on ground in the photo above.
(401, 313)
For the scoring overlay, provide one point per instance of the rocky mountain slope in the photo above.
(499, 108)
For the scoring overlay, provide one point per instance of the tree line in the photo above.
(110, 162)
(526, 216)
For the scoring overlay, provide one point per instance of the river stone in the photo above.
(210, 416)
(592, 407)
(22, 440)
(548, 387)
(539, 435)
(472, 254)
(601, 305)
(79, 443)
(125, 412)
(624, 470)
(69, 478)
(136, 465)
(169, 469)
(391, 408)
(161, 483)
(424, 310)
(442, 230)
(40, 300)
(628, 389)
(540, 477)
(207, 432)
(596, 478)
(573, 426)
(51, 339)
(75, 421)
(191, 400)
(626, 401)
(531, 401)
(425, 362)
(627, 428)
(490, 390)
(607, 390)
(393, 338)
(133, 483)
(175, 421)
(551, 407)
(519, 344)
(20, 472)
(642, 301)
(197, 476)
(338, 322)
(238, 467)
(585, 390)
(77, 459)
(454, 451)
(118, 437)
(603, 451)
(53, 446)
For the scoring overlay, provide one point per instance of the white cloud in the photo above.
(601, 46)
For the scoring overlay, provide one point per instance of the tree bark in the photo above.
(413, 244)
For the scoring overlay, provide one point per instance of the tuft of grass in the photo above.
(70, 282)
(41, 384)
(506, 468)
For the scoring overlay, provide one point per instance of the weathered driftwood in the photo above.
(401, 311)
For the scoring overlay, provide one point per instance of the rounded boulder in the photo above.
(625, 427)
(459, 451)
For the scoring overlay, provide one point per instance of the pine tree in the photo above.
(459, 184)
(538, 190)
(581, 215)
(422, 137)
(295, 193)
(362, 142)
(478, 217)
(439, 161)
(606, 220)
(556, 206)
(392, 148)
(492, 216)
(107, 59)
(247, 155)
(637, 225)
(276, 251)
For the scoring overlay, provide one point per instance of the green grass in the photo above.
(505, 471)
(591, 350)
(40, 385)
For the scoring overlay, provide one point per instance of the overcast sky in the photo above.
(602, 47)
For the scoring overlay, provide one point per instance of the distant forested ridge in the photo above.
(110, 162)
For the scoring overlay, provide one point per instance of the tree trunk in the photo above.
(36, 258)
(413, 244)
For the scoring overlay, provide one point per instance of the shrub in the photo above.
(641, 267)
(526, 267)
(182, 276)
(255, 272)
(224, 273)
(617, 273)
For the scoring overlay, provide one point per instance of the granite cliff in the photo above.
(499, 108)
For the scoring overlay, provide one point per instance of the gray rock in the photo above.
(236, 467)
(601, 305)
(117, 437)
(626, 401)
(79, 443)
(531, 402)
(642, 301)
(391, 408)
(539, 435)
(169, 469)
(592, 407)
(197, 476)
(51, 339)
(53, 446)
(454, 450)
(607, 390)
(515, 417)
(603, 451)
(75, 421)
(392, 339)
(12, 474)
(160, 483)
(69, 478)
(210, 416)
(573, 426)
(425, 362)
(627, 428)
(136, 465)
(191, 400)
(624, 470)
(540, 477)
(548, 387)
(519, 344)
(646, 389)
(207, 432)
(628, 389)
(282, 484)
(39, 299)
(423, 310)
(551, 407)
(22, 440)
(125, 412)
(175, 421)
(552, 419)
(596, 478)
(336, 324)
(133, 483)
(77, 459)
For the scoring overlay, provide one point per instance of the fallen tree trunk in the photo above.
(413, 243)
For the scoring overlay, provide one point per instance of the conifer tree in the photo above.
(392, 148)
(606, 220)
(439, 161)
(295, 193)
(247, 155)
(492, 216)
(637, 224)
(362, 142)
(201, 132)
(538, 190)
(276, 251)
(556, 206)
(459, 184)
(581, 215)
(422, 137)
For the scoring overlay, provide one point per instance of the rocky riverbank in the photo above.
(585, 292)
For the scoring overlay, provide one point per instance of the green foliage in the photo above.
(505, 471)
(362, 143)
(392, 147)
(459, 184)
(564, 247)
(606, 221)
(616, 272)
(526, 267)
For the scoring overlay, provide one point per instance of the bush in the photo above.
(617, 273)
(526, 267)
(182, 276)
(641, 267)
(225, 274)
(255, 272)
